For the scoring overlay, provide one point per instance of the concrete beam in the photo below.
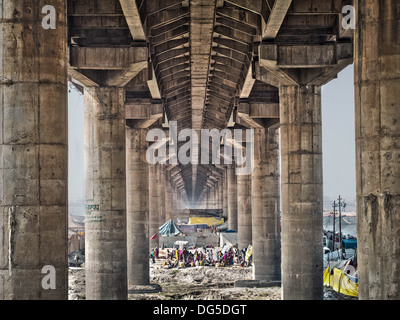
(143, 124)
(330, 73)
(303, 56)
(125, 76)
(249, 18)
(318, 8)
(251, 5)
(245, 120)
(213, 179)
(248, 84)
(143, 111)
(150, 7)
(133, 20)
(275, 19)
(259, 110)
(209, 183)
(157, 19)
(273, 75)
(122, 64)
(81, 79)
(264, 75)
(107, 58)
(302, 64)
(264, 110)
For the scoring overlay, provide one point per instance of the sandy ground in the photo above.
(196, 283)
(76, 284)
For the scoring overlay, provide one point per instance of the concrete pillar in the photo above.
(225, 195)
(244, 211)
(33, 151)
(377, 118)
(215, 196)
(210, 198)
(174, 203)
(161, 194)
(232, 198)
(137, 185)
(153, 206)
(265, 205)
(217, 205)
(302, 194)
(220, 196)
(105, 194)
(168, 196)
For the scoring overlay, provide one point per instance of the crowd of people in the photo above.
(203, 256)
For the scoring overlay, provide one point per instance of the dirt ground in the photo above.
(195, 283)
(206, 283)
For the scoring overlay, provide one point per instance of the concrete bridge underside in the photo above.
(202, 65)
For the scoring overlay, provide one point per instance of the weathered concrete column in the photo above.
(161, 194)
(33, 151)
(215, 196)
(105, 193)
(137, 185)
(377, 117)
(225, 195)
(210, 199)
(265, 205)
(244, 211)
(168, 196)
(220, 195)
(174, 203)
(232, 198)
(302, 194)
(153, 206)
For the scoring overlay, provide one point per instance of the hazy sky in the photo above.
(337, 130)
(338, 136)
(75, 129)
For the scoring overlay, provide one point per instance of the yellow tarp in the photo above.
(339, 282)
(249, 253)
(202, 220)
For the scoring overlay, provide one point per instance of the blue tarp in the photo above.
(349, 243)
(169, 228)
(188, 228)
